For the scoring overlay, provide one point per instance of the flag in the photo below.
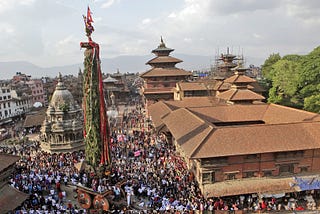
(88, 20)
(89, 17)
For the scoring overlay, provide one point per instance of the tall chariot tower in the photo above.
(96, 127)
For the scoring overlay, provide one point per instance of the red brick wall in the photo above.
(267, 162)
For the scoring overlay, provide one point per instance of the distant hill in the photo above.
(131, 64)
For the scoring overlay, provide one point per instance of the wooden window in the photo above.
(249, 174)
(208, 177)
(289, 155)
(214, 161)
(231, 176)
(251, 157)
(304, 169)
(267, 173)
(286, 169)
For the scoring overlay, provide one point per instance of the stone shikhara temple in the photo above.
(62, 129)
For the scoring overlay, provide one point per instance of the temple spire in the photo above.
(162, 45)
(60, 84)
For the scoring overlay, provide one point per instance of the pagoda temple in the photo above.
(161, 79)
(239, 91)
(62, 129)
(225, 64)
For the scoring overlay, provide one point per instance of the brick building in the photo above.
(236, 144)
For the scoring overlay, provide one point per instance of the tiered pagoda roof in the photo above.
(225, 65)
(165, 72)
(164, 64)
(239, 91)
(162, 50)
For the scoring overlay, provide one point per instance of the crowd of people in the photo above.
(147, 175)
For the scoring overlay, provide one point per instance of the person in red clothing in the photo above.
(58, 186)
(263, 205)
(218, 204)
(69, 205)
(60, 196)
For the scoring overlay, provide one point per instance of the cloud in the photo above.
(187, 40)
(172, 15)
(61, 47)
(109, 3)
(6, 5)
(7, 29)
(48, 32)
(308, 12)
(26, 2)
(257, 36)
(146, 21)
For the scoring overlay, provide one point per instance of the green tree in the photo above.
(292, 57)
(266, 68)
(312, 103)
(294, 80)
(310, 80)
(285, 80)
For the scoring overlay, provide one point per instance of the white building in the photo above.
(11, 104)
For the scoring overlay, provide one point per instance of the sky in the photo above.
(48, 32)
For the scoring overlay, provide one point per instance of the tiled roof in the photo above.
(164, 59)
(110, 79)
(190, 129)
(191, 86)
(159, 72)
(194, 102)
(238, 95)
(221, 86)
(239, 79)
(157, 111)
(7, 160)
(239, 140)
(34, 120)
(282, 114)
(162, 49)
(256, 87)
(285, 129)
(10, 198)
(231, 113)
(268, 113)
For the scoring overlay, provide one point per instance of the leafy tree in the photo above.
(292, 57)
(312, 103)
(266, 68)
(310, 80)
(294, 80)
(285, 80)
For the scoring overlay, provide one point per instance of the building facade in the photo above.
(13, 103)
(38, 93)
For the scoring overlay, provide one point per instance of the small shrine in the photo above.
(62, 129)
